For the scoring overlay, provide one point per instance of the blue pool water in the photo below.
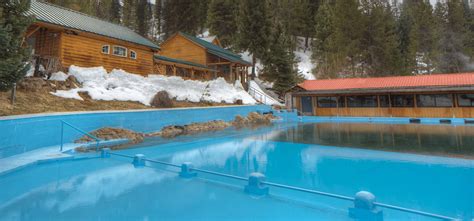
(335, 158)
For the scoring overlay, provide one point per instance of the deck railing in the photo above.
(97, 140)
(187, 168)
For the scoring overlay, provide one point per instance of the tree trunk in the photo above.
(13, 95)
(254, 61)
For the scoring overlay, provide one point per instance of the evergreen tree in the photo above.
(13, 56)
(253, 28)
(280, 66)
(157, 19)
(143, 17)
(382, 56)
(129, 14)
(349, 25)
(221, 20)
(324, 49)
(115, 11)
(452, 56)
(181, 15)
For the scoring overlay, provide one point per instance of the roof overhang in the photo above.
(386, 90)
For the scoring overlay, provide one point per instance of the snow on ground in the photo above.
(122, 86)
(305, 65)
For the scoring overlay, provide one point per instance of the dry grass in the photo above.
(43, 102)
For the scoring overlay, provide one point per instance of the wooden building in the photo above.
(206, 53)
(61, 37)
(435, 96)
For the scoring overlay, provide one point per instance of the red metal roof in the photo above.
(437, 80)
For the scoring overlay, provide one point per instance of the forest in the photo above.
(347, 38)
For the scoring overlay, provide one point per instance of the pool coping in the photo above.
(68, 113)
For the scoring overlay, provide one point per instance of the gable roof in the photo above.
(216, 50)
(387, 83)
(179, 61)
(53, 14)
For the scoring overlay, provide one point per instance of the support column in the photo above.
(174, 70)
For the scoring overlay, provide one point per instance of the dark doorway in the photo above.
(307, 105)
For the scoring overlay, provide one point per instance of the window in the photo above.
(133, 54)
(331, 102)
(106, 49)
(434, 100)
(403, 100)
(384, 101)
(362, 101)
(120, 51)
(466, 100)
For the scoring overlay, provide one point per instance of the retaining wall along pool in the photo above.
(20, 134)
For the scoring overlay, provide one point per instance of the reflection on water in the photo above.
(436, 139)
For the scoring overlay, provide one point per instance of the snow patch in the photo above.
(58, 76)
(261, 96)
(120, 85)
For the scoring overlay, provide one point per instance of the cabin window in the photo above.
(120, 51)
(133, 54)
(384, 101)
(106, 49)
(466, 100)
(403, 100)
(434, 100)
(362, 101)
(331, 102)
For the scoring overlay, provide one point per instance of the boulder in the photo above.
(161, 99)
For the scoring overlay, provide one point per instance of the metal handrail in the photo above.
(341, 197)
(263, 96)
(97, 140)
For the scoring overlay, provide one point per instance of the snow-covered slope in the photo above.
(122, 86)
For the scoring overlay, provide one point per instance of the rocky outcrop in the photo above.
(252, 120)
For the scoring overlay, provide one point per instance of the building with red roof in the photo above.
(440, 96)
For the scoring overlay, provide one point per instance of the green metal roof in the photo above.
(174, 60)
(216, 50)
(53, 14)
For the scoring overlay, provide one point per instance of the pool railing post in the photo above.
(364, 207)
(105, 153)
(139, 160)
(255, 185)
(187, 170)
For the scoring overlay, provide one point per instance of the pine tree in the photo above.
(452, 57)
(129, 14)
(280, 64)
(143, 17)
(253, 28)
(13, 56)
(115, 11)
(221, 20)
(325, 53)
(157, 19)
(382, 56)
(349, 25)
(181, 15)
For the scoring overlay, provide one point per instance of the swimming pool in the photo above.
(336, 158)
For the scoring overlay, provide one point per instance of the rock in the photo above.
(108, 133)
(172, 131)
(33, 84)
(161, 99)
(239, 102)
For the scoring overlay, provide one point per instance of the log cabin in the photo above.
(203, 53)
(61, 37)
(428, 96)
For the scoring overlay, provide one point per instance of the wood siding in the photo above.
(179, 47)
(47, 42)
(85, 50)
(415, 112)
